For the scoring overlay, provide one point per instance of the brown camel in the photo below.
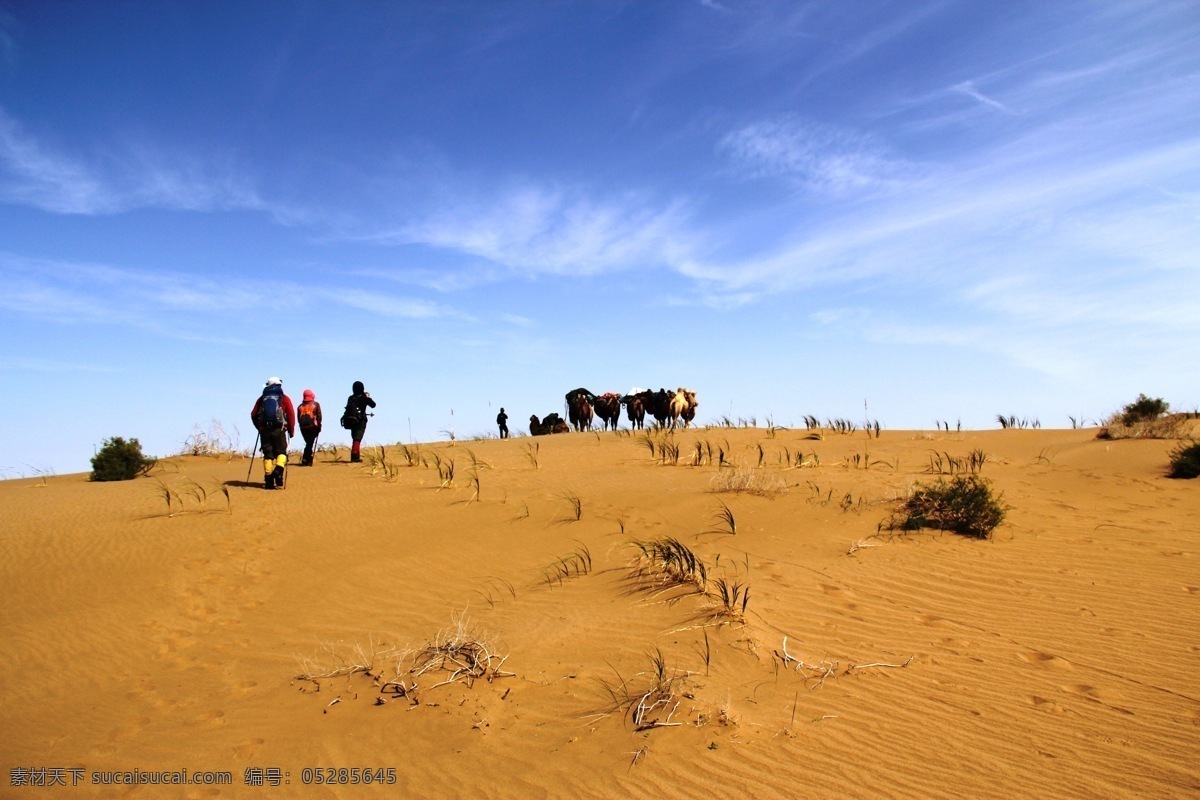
(608, 409)
(580, 412)
(659, 405)
(635, 408)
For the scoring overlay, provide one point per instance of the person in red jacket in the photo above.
(275, 419)
(309, 414)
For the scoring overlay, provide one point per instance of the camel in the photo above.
(635, 408)
(579, 408)
(552, 424)
(682, 405)
(659, 405)
(580, 412)
(608, 409)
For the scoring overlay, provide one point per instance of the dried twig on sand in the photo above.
(462, 652)
(825, 669)
(651, 706)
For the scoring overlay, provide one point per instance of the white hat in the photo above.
(274, 382)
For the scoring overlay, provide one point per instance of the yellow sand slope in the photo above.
(1059, 659)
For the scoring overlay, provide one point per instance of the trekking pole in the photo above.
(253, 453)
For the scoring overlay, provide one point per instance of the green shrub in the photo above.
(119, 460)
(964, 505)
(1144, 409)
(1185, 461)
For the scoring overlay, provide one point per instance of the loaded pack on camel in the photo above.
(553, 423)
(636, 403)
(659, 406)
(608, 409)
(579, 408)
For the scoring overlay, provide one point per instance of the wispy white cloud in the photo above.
(179, 305)
(518, 321)
(134, 175)
(969, 89)
(815, 156)
(386, 306)
(537, 230)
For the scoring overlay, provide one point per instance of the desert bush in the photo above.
(120, 460)
(1144, 418)
(1185, 461)
(1144, 409)
(964, 505)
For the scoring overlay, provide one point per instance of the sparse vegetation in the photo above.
(1185, 461)
(964, 505)
(653, 703)
(576, 564)
(946, 464)
(120, 460)
(724, 521)
(532, 451)
(1144, 409)
(668, 563)
(745, 480)
(731, 598)
(1145, 418)
(459, 652)
(212, 442)
(575, 504)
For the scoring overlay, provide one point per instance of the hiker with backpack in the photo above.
(502, 421)
(275, 419)
(309, 414)
(354, 419)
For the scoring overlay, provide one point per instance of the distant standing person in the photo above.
(355, 417)
(275, 419)
(502, 421)
(309, 414)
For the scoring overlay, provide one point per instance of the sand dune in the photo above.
(1059, 659)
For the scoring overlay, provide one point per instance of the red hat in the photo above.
(308, 395)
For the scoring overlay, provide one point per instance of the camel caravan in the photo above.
(668, 409)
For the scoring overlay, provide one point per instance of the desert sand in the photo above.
(1060, 658)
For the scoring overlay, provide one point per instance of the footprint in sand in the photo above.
(932, 621)
(1047, 705)
(1096, 694)
(1191, 589)
(953, 644)
(1041, 659)
(247, 749)
(843, 594)
(211, 719)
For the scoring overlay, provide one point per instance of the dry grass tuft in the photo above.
(461, 651)
(666, 564)
(651, 700)
(747, 480)
(1175, 426)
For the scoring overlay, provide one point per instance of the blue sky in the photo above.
(946, 210)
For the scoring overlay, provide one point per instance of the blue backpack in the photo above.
(271, 416)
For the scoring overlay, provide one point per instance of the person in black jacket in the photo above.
(355, 418)
(502, 421)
